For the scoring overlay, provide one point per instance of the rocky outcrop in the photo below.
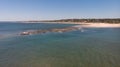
(50, 30)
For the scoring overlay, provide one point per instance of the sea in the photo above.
(93, 47)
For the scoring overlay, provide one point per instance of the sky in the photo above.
(13, 10)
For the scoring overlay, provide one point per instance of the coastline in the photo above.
(79, 26)
(99, 25)
(88, 25)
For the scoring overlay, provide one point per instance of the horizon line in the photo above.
(56, 19)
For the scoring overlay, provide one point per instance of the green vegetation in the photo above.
(87, 20)
(83, 20)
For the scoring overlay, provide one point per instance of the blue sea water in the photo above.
(95, 47)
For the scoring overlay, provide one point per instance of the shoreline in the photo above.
(98, 25)
(88, 25)
(80, 26)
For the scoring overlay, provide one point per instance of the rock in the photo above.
(51, 30)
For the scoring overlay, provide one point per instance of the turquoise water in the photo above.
(95, 47)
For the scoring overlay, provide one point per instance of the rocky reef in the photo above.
(30, 32)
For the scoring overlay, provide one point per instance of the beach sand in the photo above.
(83, 24)
(98, 25)
(90, 24)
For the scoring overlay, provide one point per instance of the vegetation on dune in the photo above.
(89, 20)
(83, 20)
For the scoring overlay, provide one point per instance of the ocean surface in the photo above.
(95, 47)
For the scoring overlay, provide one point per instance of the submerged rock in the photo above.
(50, 30)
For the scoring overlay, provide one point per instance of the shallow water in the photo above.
(95, 47)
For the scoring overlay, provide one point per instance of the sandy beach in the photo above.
(88, 25)
(98, 25)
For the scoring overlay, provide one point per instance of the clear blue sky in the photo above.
(58, 9)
